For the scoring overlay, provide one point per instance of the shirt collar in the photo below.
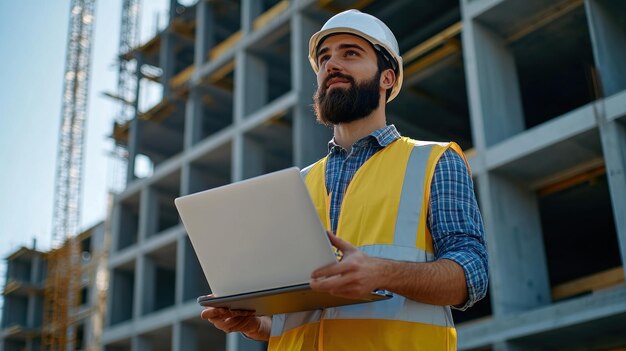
(380, 137)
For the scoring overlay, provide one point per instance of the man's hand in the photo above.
(355, 276)
(252, 326)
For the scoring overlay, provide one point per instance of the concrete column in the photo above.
(254, 72)
(147, 278)
(195, 180)
(194, 112)
(31, 310)
(148, 214)
(116, 220)
(205, 31)
(166, 60)
(180, 270)
(247, 158)
(10, 273)
(5, 315)
(185, 338)
(205, 40)
(607, 26)
(186, 179)
(140, 343)
(194, 282)
(250, 9)
(250, 94)
(237, 158)
(133, 130)
(35, 268)
(494, 96)
(141, 290)
(133, 148)
(519, 278)
(232, 342)
(166, 50)
(473, 8)
(310, 138)
(238, 113)
(253, 158)
(613, 136)
(118, 303)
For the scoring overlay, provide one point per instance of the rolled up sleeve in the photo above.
(456, 225)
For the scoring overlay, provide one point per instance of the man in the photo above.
(404, 212)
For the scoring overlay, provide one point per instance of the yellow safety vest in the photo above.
(384, 214)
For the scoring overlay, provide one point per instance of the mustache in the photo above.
(336, 75)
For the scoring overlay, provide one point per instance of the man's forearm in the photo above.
(440, 282)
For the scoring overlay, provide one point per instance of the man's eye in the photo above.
(323, 59)
(351, 53)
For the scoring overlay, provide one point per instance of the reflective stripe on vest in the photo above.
(411, 197)
(398, 323)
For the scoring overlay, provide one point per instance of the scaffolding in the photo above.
(61, 293)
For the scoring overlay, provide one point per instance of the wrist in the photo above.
(385, 273)
(261, 332)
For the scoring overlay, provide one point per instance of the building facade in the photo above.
(23, 301)
(533, 91)
(43, 310)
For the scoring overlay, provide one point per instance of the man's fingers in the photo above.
(237, 313)
(326, 284)
(330, 270)
(240, 323)
(211, 313)
(340, 244)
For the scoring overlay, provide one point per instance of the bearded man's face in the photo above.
(335, 105)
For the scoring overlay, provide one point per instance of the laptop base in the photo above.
(294, 298)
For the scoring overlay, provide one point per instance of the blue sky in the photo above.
(32, 48)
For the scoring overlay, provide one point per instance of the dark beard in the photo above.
(346, 105)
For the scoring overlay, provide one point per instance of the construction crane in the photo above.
(62, 285)
(68, 184)
(126, 88)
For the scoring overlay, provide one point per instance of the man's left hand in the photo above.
(355, 276)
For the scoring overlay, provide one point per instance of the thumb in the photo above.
(341, 244)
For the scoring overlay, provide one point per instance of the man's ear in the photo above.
(387, 79)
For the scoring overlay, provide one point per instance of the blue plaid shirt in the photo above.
(454, 219)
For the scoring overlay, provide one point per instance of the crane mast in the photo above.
(68, 184)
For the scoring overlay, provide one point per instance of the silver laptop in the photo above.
(258, 241)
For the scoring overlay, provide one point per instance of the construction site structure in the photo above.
(68, 183)
(533, 91)
(52, 302)
(20, 328)
(127, 85)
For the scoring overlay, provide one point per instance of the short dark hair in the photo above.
(384, 64)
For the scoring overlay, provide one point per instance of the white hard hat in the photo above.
(367, 27)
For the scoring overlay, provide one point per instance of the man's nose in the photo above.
(332, 65)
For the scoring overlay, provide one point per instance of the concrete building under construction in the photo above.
(533, 91)
(55, 300)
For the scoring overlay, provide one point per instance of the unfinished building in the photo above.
(23, 300)
(533, 91)
(49, 305)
